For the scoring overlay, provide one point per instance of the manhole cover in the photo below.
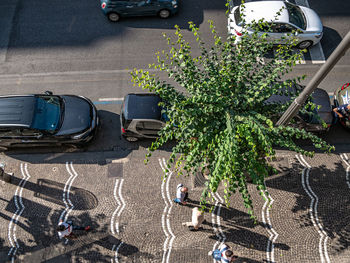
(115, 170)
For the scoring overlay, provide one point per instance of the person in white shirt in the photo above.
(197, 219)
(65, 229)
(181, 194)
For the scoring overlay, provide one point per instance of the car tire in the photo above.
(164, 13)
(305, 44)
(113, 17)
(131, 139)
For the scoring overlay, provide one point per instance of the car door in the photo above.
(149, 128)
(124, 7)
(9, 136)
(281, 32)
(33, 137)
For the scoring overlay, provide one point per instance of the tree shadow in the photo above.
(333, 199)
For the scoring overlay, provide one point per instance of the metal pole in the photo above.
(315, 81)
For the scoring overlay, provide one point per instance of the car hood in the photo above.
(313, 21)
(76, 116)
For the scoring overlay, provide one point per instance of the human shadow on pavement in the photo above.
(40, 222)
(331, 193)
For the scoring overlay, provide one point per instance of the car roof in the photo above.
(142, 106)
(266, 10)
(16, 110)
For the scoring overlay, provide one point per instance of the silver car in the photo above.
(303, 22)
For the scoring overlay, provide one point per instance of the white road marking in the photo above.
(170, 237)
(116, 252)
(316, 54)
(116, 210)
(345, 159)
(123, 204)
(218, 231)
(110, 99)
(19, 210)
(68, 191)
(313, 210)
(273, 234)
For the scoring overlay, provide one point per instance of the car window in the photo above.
(296, 16)
(238, 17)
(281, 28)
(47, 113)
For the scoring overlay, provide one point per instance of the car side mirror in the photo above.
(296, 33)
(48, 92)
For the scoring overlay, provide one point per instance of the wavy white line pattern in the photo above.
(265, 214)
(170, 237)
(217, 230)
(19, 210)
(117, 193)
(322, 247)
(345, 159)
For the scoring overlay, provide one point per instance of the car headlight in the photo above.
(318, 35)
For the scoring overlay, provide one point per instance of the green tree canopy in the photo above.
(217, 112)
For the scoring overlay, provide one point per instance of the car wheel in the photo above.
(164, 13)
(304, 44)
(113, 17)
(131, 139)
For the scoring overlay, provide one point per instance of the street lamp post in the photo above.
(315, 81)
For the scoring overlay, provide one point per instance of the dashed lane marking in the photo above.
(313, 209)
(19, 210)
(265, 214)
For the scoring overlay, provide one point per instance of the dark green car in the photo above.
(115, 9)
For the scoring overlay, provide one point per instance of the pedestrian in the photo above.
(223, 255)
(197, 219)
(343, 111)
(181, 194)
(65, 229)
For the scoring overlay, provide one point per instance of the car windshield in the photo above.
(47, 113)
(296, 16)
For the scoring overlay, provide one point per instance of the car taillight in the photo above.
(123, 130)
(237, 33)
(103, 5)
(345, 86)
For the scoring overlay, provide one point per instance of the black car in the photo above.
(46, 119)
(115, 9)
(141, 116)
(311, 120)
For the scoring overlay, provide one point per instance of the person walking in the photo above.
(197, 219)
(343, 111)
(223, 255)
(181, 194)
(65, 229)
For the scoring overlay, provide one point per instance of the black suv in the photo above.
(46, 119)
(140, 116)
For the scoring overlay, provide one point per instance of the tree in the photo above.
(217, 113)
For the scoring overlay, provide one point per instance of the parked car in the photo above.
(302, 21)
(46, 119)
(342, 96)
(311, 120)
(141, 116)
(115, 9)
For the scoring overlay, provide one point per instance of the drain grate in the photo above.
(115, 170)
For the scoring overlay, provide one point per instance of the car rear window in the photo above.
(47, 113)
